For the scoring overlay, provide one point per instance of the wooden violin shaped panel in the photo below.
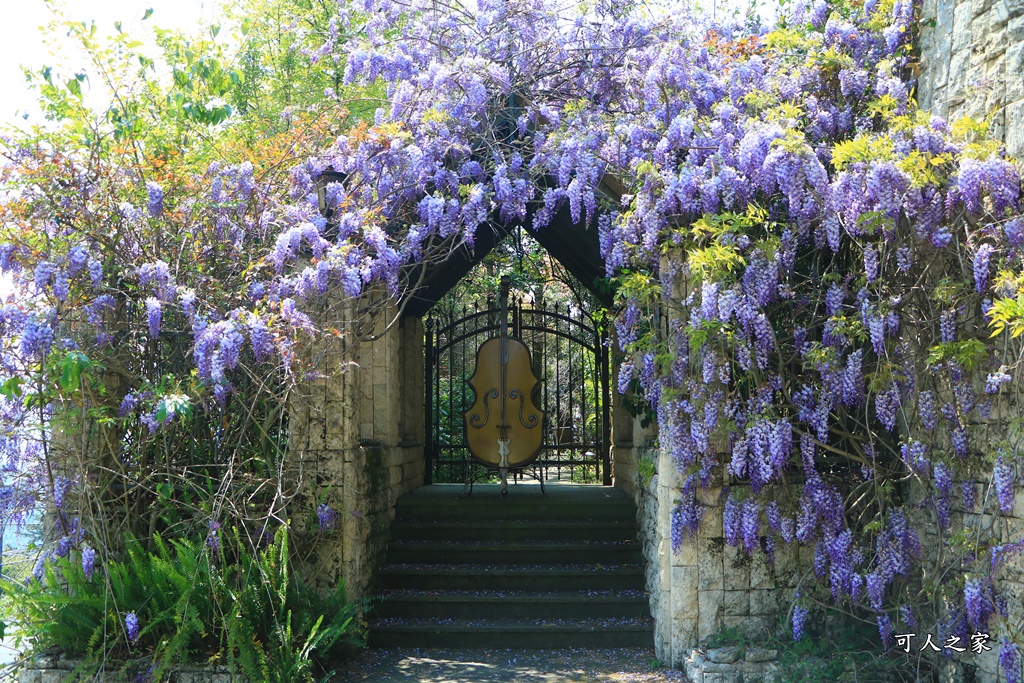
(512, 415)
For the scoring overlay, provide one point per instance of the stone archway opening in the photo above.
(567, 344)
(365, 428)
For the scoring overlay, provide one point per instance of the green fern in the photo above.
(251, 610)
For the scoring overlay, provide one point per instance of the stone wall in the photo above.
(982, 520)
(712, 586)
(972, 62)
(707, 586)
(655, 546)
(356, 441)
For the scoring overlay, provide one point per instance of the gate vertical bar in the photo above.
(437, 399)
(428, 405)
(606, 408)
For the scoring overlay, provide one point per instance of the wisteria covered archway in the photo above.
(843, 270)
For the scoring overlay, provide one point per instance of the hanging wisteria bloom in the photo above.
(1004, 479)
(799, 620)
(131, 624)
(155, 198)
(326, 517)
(88, 560)
(154, 314)
(213, 537)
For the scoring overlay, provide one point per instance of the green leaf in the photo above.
(71, 368)
(12, 387)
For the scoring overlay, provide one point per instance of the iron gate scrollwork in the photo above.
(570, 355)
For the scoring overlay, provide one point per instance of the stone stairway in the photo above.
(526, 572)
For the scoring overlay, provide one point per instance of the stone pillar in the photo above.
(355, 441)
(623, 446)
(708, 586)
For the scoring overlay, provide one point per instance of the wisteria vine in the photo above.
(836, 259)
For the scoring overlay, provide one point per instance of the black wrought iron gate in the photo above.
(569, 354)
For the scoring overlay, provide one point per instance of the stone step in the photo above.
(511, 577)
(561, 502)
(623, 511)
(561, 570)
(521, 634)
(511, 604)
(516, 530)
(501, 551)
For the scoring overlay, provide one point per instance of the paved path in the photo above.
(626, 665)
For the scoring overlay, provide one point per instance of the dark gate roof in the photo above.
(574, 245)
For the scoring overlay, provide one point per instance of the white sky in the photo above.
(21, 40)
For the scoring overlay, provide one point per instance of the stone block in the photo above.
(752, 627)
(730, 677)
(663, 632)
(395, 475)
(736, 568)
(684, 592)
(723, 655)
(687, 553)
(709, 564)
(962, 21)
(711, 523)
(684, 634)
(1015, 135)
(339, 424)
(1000, 13)
(1013, 591)
(710, 605)
(737, 603)
(959, 63)
(764, 602)
(786, 566)
(693, 667)
(760, 654)
(761, 573)
(1015, 29)
(709, 496)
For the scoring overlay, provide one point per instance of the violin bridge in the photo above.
(503, 465)
(503, 451)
